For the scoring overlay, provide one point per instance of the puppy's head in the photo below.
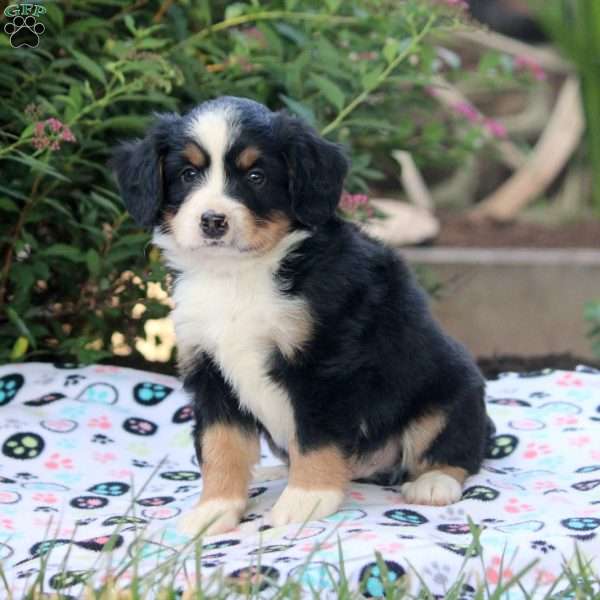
(230, 176)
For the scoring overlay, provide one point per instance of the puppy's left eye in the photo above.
(256, 177)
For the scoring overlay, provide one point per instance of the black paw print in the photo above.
(45, 509)
(73, 379)
(542, 546)
(83, 522)
(142, 464)
(99, 438)
(24, 31)
(25, 476)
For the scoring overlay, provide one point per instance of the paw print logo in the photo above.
(257, 578)
(56, 461)
(88, 502)
(515, 506)
(110, 488)
(149, 394)
(183, 414)
(73, 379)
(24, 31)
(375, 581)
(455, 528)
(480, 492)
(23, 446)
(9, 386)
(542, 546)
(501, 446)
(139, 426)
(533, 450)
(67, 579)
(406, 517)
(439, 574)
(581, 523)
(180, 475)
(99, 438)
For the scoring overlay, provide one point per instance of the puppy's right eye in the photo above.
(188, 175)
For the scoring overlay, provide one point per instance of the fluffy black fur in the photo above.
(376, 360)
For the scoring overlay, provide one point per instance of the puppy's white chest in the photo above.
(239, 318)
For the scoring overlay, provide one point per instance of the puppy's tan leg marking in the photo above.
(438, 485)
(228, 454)
(316, 486)
(417, 438)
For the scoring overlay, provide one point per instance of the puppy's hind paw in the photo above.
(212, 517)
(433, 488)
(297, 505)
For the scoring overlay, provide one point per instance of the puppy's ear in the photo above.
(138, 168)
(316, 170)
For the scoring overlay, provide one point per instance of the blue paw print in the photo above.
(66, 444)
(99, 393)
(372, 578)
(581, 523)
(73, 412)
(9, 386)
(149, 394)
(406, 517)
(110, 488)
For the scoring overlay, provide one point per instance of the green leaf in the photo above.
(370, 78)
(16, 320)
(89, 66)
(300, 109)
(330, 90)
(92, 260)
(71, 253)
(8, 205)
(390, 49)
(19, 348)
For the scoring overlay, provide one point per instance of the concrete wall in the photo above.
(513, 301)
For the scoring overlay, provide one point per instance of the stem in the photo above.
(269, 15)
(381, 79)
(8, 257)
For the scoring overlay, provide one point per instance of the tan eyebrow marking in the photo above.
(247, 157)
(195, 155)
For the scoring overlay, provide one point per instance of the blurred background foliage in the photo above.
(73, 268)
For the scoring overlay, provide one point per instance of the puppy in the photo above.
(292, 323)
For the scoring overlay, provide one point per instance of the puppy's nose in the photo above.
(214, 225)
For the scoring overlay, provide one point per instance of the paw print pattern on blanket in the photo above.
(78, 443)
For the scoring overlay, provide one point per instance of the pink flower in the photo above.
(468, 111)
(524, 63)
(495, 128)
(49, 134)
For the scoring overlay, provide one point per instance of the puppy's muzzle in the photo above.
(214, 225)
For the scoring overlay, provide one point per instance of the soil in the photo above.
(459, 232)
(494, 365)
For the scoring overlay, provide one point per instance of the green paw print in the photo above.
(60, 581)
(501, 446)
(23, 446)
(9, 386)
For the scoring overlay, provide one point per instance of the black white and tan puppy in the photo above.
(292, 323)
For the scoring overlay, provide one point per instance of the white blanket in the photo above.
(94, 451)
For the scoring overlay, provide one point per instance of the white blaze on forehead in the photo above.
(215, 130)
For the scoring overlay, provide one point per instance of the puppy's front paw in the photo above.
(432, 488)
(297, 505)
(212, 517)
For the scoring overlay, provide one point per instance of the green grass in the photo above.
(123, 580)
(577, 580)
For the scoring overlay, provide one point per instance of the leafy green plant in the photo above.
(73, 268)
(575, 27)
(592, 316)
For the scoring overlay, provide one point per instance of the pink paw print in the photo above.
(494, 574)
(357, 496)
(56, 461)
(569, 380)
(102, 422)
(390, 548)
(580, 440)
(45, 498)
(104, 457)
(7, 523)
(566, 420)
(533, 450)
(514, 506)
(544, 485)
